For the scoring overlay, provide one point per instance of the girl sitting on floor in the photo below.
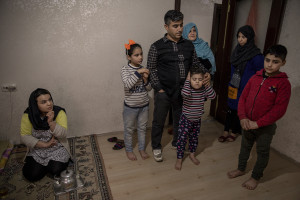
(44, 131)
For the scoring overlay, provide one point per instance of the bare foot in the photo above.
(250, 184)
(178, 164)
(131, 156)
(144, 155)
(194, 159)
(235, 173)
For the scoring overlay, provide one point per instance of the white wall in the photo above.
(287, 138)
(201, 13)
(75, 49)
(263, 13)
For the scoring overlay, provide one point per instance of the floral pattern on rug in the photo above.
(88, 163)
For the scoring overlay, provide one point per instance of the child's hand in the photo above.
(143, 70)
(253, 125)
(145, 75)
(245, 124)
(188, 76)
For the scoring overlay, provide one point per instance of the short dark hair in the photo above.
(173, 15)
(197, 68)
(277, 50)
(129, 52)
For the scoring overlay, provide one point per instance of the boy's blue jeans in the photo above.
(263, 137)
(132, 117)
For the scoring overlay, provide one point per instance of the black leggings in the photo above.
(33, 171)
(232, 122)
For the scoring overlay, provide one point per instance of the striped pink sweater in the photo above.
(193, 100)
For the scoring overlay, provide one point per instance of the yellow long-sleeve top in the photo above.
(60, 131)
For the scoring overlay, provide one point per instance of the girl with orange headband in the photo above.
(136, 103)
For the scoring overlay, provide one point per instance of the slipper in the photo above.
(231, 137)
(121, 142)
(112, 139)
(222, 138)
(118, 146)
(170, 131)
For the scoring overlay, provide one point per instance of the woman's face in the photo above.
(45, 103)
(193, 34)
(242, 40)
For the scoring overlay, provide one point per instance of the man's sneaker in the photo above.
(157, 155)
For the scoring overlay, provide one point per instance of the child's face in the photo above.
(242, 40)
(197, 81)
(193, 34)
(136, 58)
(45, 103)
(272, 64)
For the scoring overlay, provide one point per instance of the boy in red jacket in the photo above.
(263, 102)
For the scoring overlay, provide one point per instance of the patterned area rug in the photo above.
(88, 163)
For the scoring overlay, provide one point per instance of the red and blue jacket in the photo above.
(265, 99)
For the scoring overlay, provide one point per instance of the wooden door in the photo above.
(219, 104)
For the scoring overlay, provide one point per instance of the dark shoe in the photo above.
(112, 139)
(222, 138)
(231, 138)
(119, 145)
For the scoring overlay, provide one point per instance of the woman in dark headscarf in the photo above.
(245, 60)
(43, 131)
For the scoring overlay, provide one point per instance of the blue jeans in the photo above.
(132, 117)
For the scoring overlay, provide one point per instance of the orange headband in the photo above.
(127, 46)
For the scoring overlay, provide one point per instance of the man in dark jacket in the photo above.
(169, 61)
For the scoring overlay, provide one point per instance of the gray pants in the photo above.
(263, 137)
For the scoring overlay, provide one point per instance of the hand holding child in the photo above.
(206, 81)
